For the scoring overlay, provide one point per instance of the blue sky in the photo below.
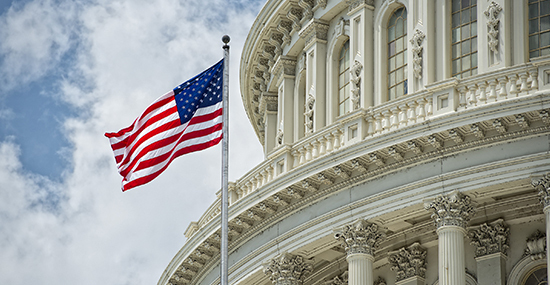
(71, 70)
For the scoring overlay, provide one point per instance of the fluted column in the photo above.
(360, 240)
(543, 186)
(451, 213)
(288, 269)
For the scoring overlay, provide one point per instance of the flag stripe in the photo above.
(184, 120)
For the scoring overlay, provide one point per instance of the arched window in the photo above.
(464, 38)
(539, 28)
(343, 80)
(397, 54)
(536, 276)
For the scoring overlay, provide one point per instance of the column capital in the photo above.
(268, 102)
(409, 262)
(287, 269)
(452, 209)
(284, 67)
(360, 237)
(542, 185)
(490, 238)
(316, 30)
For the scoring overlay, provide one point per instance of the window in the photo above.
(537, 276)
(397, 54)
(464, 38)
(539, 28)
(343, 80)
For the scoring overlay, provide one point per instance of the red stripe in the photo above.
(158, 159)
(148, 178)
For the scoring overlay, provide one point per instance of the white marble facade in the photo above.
(406, 142)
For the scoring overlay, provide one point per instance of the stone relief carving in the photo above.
(536, 246)
(356, 3)
(380, 281)
(356, 84)
(307, 6)
(360, 237)
(453, 209)
(280, 134)
(409, 262)
(339, 280)
(492, 12)
(417, 48)
(310, 109)
(341, 28)
(288, 269)
(543, 186)
(490, 238)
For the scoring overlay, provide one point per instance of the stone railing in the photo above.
(444, 97)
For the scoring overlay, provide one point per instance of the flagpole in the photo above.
(225, 164)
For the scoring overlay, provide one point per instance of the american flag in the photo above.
(184, 120)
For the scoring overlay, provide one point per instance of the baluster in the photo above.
(404, 109)
(296, 155)
(421, 109)
(386, 120)
(265, 176)
(330, 144)
(513, 85)
(342, 141)
(462, 96)
(523, 76)
(378, 123)
(314, 149)
(482, 92)
(302, 155)
(492, 89)
(336, 139)
(412, 111)
(502, 81)
(472, 99)
(308, 152)
(322, 146)
(393, 118)
(270, 173)
(370, 126)
(534, 79)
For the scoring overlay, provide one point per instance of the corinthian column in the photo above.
(360, 240)
(287, 269)
(543, 186)
(451, 213)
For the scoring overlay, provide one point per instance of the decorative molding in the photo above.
(341, 29)
(339, 280)
(307, 8)
(416, 41)
(310, 109)
(288, 269)
(380, 281)
(359, 237)
(536, 246)
(453, 209)
(315, 30)
(490, 238)
(355, 80)
(409, 262)
(542, 185)
(354, 4)
(492, 12)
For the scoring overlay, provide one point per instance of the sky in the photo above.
(71, 70)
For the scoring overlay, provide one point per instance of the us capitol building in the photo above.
(406, 142)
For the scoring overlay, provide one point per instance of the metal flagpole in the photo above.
(225, 163)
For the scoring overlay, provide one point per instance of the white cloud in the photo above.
(83, 230)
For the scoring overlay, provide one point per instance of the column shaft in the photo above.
(360, 269)
(451, 255)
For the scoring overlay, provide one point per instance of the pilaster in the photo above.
(491, 243)
(315, 36)
(268, 106)
(288, 269)
(409, 264)
(494, 35)
(451, 213)
(361, 53)
(285, 70)
(542, 185)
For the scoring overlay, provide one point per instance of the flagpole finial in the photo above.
(225, 40)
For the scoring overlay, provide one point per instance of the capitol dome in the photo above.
(406, 142)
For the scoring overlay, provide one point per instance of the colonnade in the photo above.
(451, 214)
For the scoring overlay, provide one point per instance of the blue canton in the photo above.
(201, 91)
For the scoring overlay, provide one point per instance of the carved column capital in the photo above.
(314, 31)
(268, 102)
(490, 238)
(542, 185)
(409, 262)
(536, 245)
(453, 209)
(354, 4)
(288, 269)
(359, 237)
